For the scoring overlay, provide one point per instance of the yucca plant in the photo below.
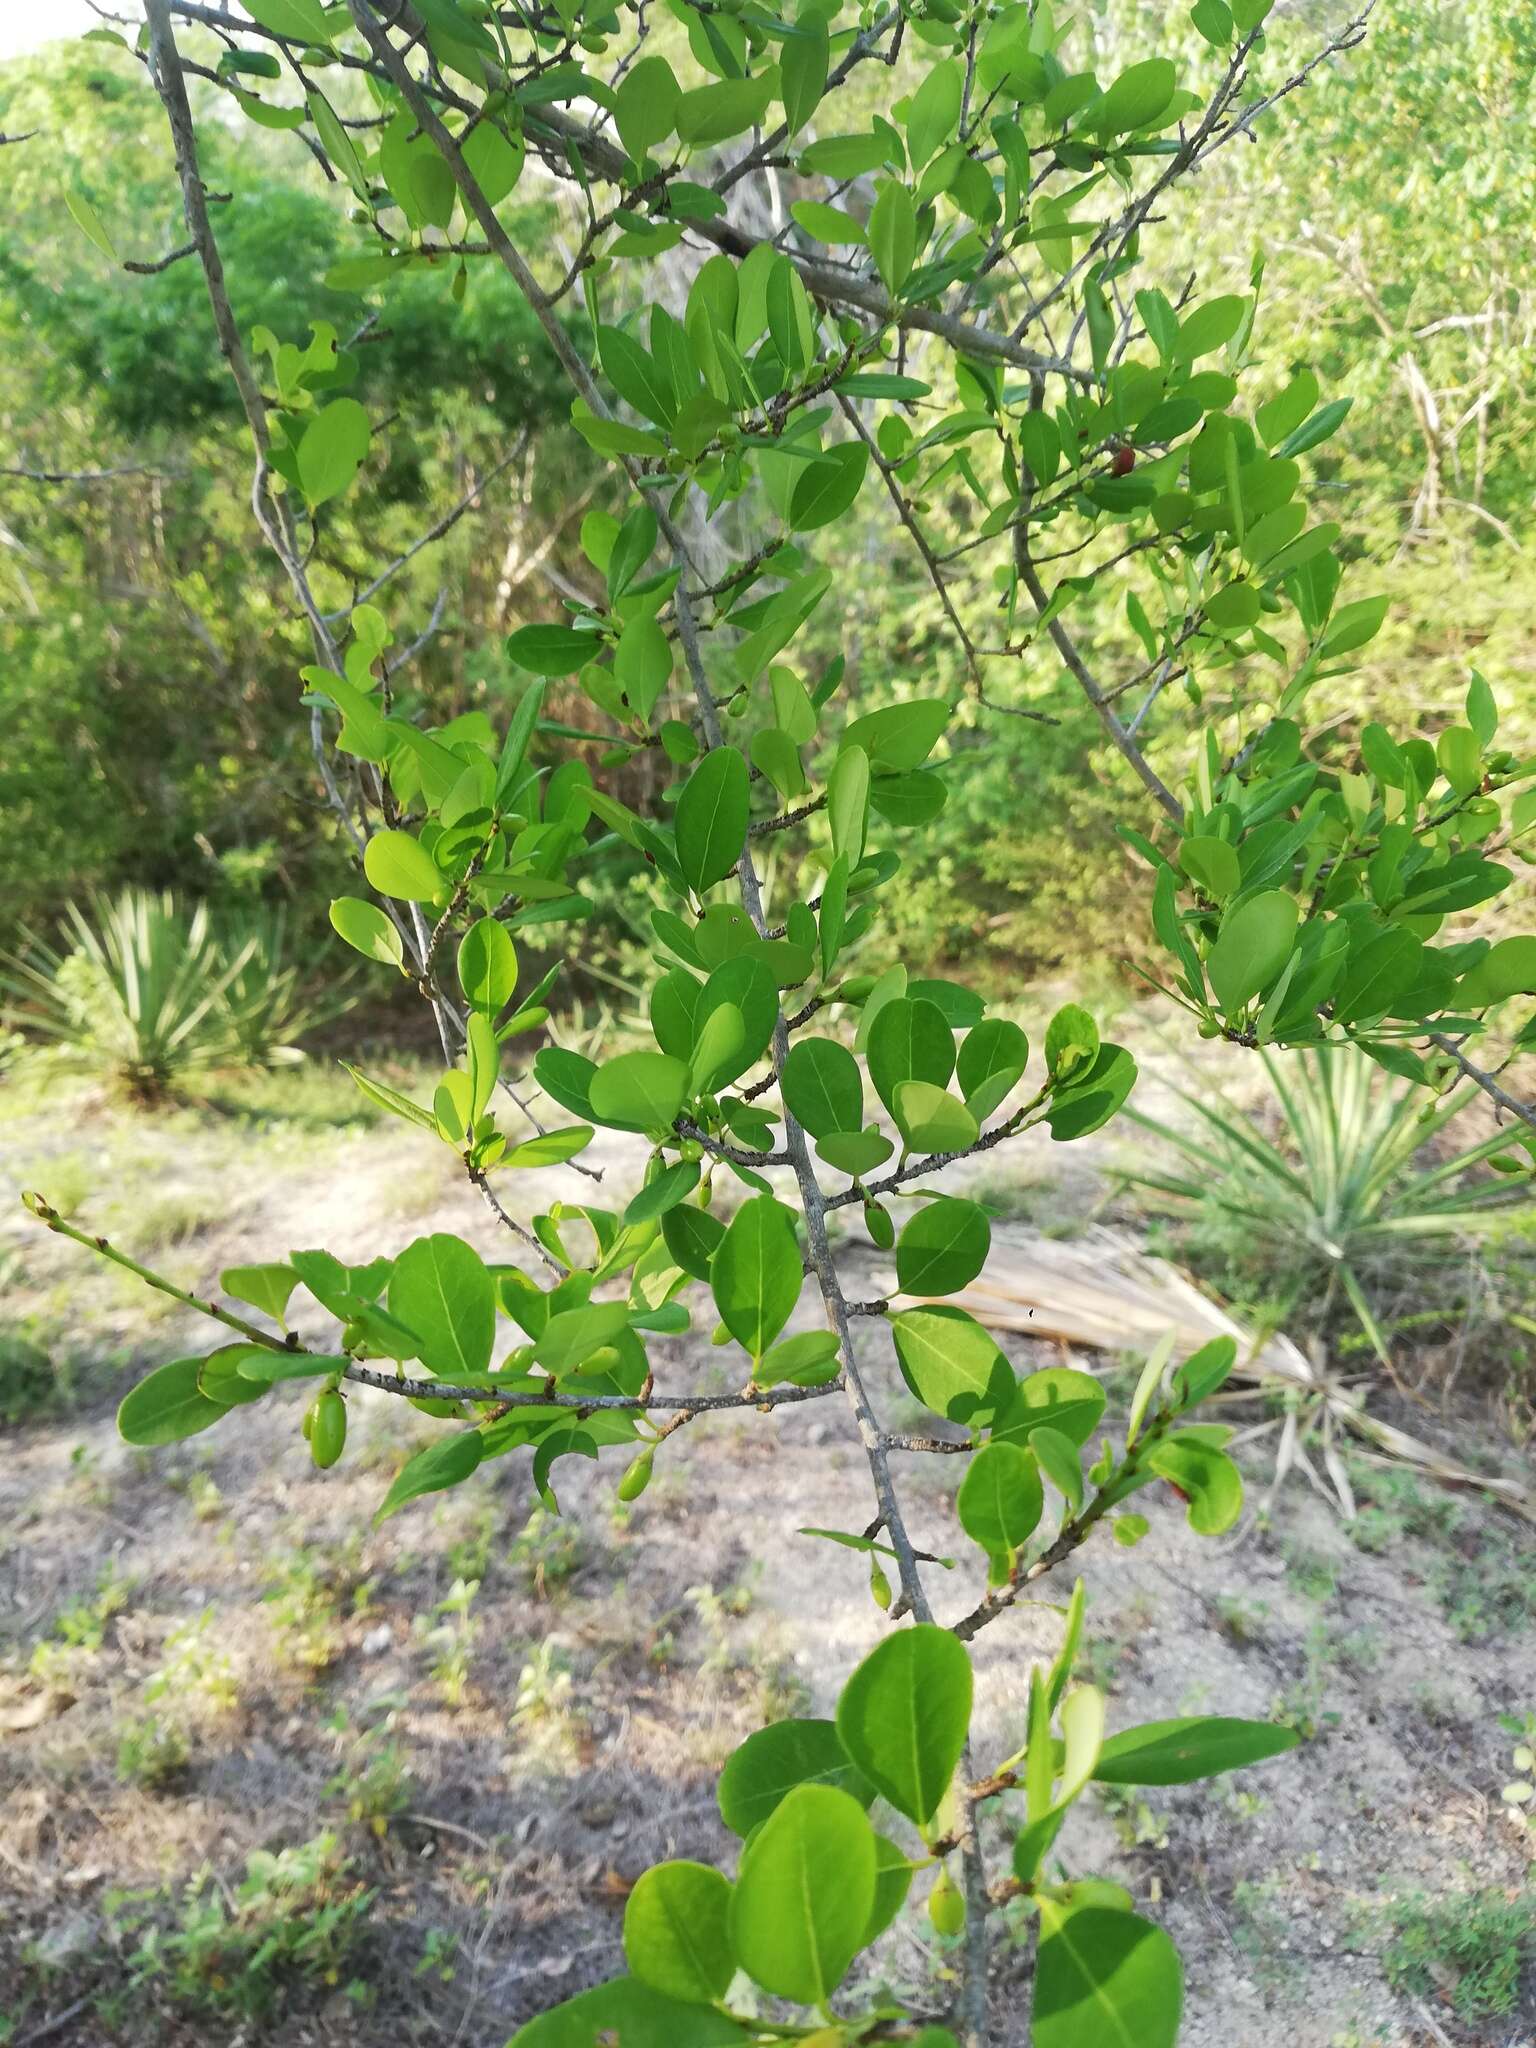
(1349, 1195)
(265, 1001)
(144, 990)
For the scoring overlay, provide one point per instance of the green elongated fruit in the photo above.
(637, 1475)
(327, 1428)
(946, 1908)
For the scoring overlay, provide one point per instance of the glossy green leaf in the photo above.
(950, 1362)
(638, 1091)
(1210, 1483)
(756, 1273)
(441, 1289)
(1001, 1500)
(943, 1248)
(487, 966)
(822, 1087)
(445, 1463)
(904, 1714)
(167, 1405)
(712, 817)
(399, 865)
(774, 1760)
(1179, 1752)
(332, 449)
(367, 930)
(1105, 1977)
(677, 1934)
(1253, 945)
(805, 1892)
(629, 2014)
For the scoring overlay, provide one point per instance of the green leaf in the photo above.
(440, 1288)
(1324, 423)
(642, 663)
(931, 1120)
(638, 1091)
(566, 1077)
(1205, 1476)
(1254, 944)
(630, 2015)
(904, 1714)
(934, 112)
(991, 1062)
(1460, 758)
(645, 105)
(399, 865)
(950, 1362)
(367, 930)
(803, 61)
(1210, 326)
(774, 1760)
(1137, 96)
(837, 229)
(693, 1237)
(494, 160)
(848, 805)
(550, 1148)
(1212, 865)
(167, 1405)
(332, 449)
(1056, 1397)
(712, 815)
(856, 1152)
(822, 1087)
(828, 487)
(1001, 1500)
(265, 1287)
(677, 1934)
(87, 220)
(1071, 1041)
(1179, 1752)
(569, 1339)
(805, 1893)
(551, 650)
(1507, 969)
(671, 1186)
(716, 113)
(893, 235)
(909, 1040)
(898, 737)
(1089, 1099)
(441, 1465)
(811, 1359)
(943, 1248)
(1106, 1977)
(487, 966)
(756, 1273)
(303, 20)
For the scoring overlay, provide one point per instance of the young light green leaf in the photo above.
(756, 1273)
(367, 929)
(805, 1893)
(677, 1934)
(440, 1289)
(904, 1714)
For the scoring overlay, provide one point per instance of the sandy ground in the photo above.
(501, 1789)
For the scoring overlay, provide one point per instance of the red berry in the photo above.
(1124, 462)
